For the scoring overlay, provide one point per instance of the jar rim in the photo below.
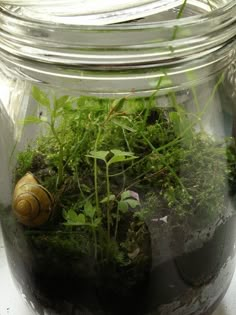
(183, 21)
(124, 45)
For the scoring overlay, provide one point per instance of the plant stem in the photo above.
(195, 98)
(139, 178)
(117, 222)
(181, 11)
(166, 164)
(78, 182)
(131, 166)
(197, 105)
(108, 202)
(95, 243)
(179, 15)
(126, 140)
(96, 174)
(208, 103)
(154, 94)
(61, 153)
(178, 139)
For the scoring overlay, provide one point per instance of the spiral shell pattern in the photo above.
(32, 203)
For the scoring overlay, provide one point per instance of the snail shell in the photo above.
(32, 203)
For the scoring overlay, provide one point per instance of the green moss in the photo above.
(96, 151)
(24, 161)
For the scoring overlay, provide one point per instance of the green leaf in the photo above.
(106, 199)
(89, 210)
(124, 126)
(126, 194)
(97, 222)
(181, 124)
(31, 120)
(175, 119)
(132, 203)
(44, 119)
(123, 206)
(64, 103)
(41, 97)
(71, 216)
(121, 153)
(61, 101)
(81, 219)
(117, 159)
(86, 188)
(118, 104)
(101, 155)
(180, 110)
(121, 156)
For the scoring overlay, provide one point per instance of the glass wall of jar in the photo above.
(118, 169)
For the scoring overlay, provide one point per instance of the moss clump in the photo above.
(113, 165)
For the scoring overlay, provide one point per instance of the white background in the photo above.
(12, 304)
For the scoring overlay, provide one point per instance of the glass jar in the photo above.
(118, 147)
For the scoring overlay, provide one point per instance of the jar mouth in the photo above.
(128, 45)
(105, 12)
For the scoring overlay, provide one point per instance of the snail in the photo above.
(32, 203)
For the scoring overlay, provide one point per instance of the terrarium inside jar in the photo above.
(118, 157)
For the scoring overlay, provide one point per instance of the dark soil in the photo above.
(114, 291)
